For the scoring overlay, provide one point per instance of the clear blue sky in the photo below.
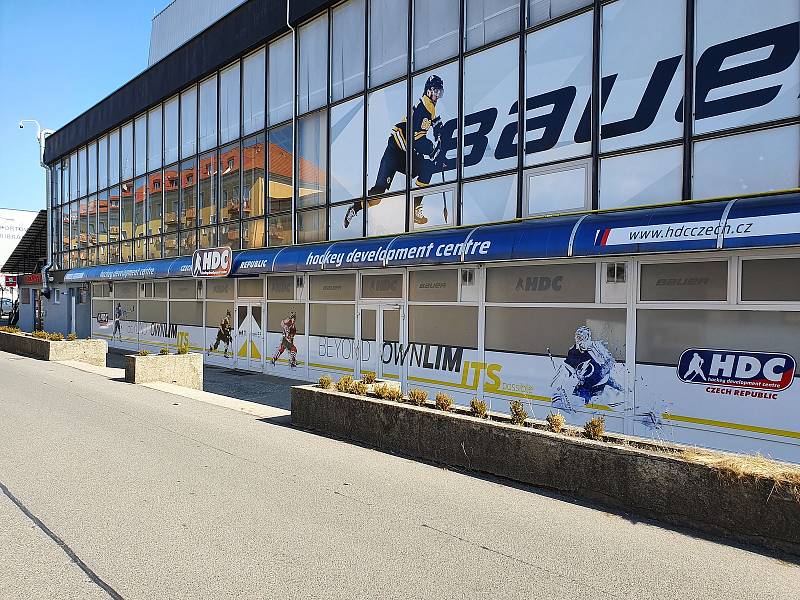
(57, 59)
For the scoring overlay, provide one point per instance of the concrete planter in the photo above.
(88, 351)
(632, 478)
(181, 369)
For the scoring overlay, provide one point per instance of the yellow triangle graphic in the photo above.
(243, 351)
(254, 353)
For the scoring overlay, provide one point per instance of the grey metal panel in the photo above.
(181, 21)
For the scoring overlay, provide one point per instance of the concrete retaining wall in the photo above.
(647, 483)
(88, 351)
(180, 369)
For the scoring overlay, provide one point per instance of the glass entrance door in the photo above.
(380, 336)
(250, 336)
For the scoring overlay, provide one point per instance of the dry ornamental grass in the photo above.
(344, 383)
(326, 382)
(478, 408)
(518, 414)
(443, 401)
(418, 397)
(555, 422)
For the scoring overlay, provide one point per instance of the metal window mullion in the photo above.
(595, 104)
(688, 98)
(521, 100)
(409, 130)
(460, 115)
(365, 96)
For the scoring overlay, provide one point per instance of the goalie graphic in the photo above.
(119, 314)
(223, 334)
(289, 327)
(426, 155)
(588, 370)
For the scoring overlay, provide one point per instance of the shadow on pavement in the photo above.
(242, 385)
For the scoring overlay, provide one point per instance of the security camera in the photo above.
(21, 125)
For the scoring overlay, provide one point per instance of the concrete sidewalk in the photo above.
(240, 385)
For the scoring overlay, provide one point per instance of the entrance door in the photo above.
(250, 336)
(380, 333)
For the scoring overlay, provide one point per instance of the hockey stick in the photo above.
(560, 387)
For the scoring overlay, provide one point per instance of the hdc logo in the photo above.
(732, 368)
(212, 262)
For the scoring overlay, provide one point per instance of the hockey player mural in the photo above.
(223, 334)
(119, 313)
(289, 327)
(588, 371)
(427, 157)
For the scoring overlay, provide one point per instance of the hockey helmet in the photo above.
(434, 82)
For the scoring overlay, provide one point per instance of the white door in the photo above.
(381, 341)
(250, 336)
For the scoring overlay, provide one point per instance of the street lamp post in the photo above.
(41, 136)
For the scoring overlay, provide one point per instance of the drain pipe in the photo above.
(294, 125)
(41, 136)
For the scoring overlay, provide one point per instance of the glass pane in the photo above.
(73, 176)
(127, 210)
(434, 126)
(311, 226)
(113, 157)
(171, 130)
(343, 225)
(253, 159)
(437, 285)
(663, 335)
(489, 94)
(278, 311)
(82, 178)
(489, 200)
(281, 59)
(542, 283)
(251, 288)
(154, 248)
(170, 245)
(490, 20)
(186, 313)
(280, 230)
(92, 167)
(171, 198)
(347, 49)
(390, 330)
(188, 212)
(253, 91)
(332, 287)
(207, 189)
(386, 139)
(649, 82)
(102, 217)
(207, 101)
(540, 11)
(312, 75)
(229, 104)
(154, 138)
(155, 196)
(280, 169)
(435, 31)
(559, 189)
(642, 178)
(280, 287)
(382, 286)
(140, 141)
(182, 288)
(229, 199)
(388, 40)
(332, 320)
(92, 220)
(386, 215)
(687, 281)
(539, 330)
(312, 146)
(219, 289)
(139, 203)
(114, 206)
(747, 163)
(102, 163)
(368, 324)
(747, 67)
(207, 237)
(443, 325)
(187, 242)
(558, 84)
(347, 150)
(229, 235)
(773, 280)
(189, 122)
(432, 208)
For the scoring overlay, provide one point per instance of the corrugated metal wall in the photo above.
(181, 21)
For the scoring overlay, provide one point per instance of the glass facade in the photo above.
(403, 105)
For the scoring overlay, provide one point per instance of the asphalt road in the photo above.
(126, 492)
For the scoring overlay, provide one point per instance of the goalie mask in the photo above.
(583, 337)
